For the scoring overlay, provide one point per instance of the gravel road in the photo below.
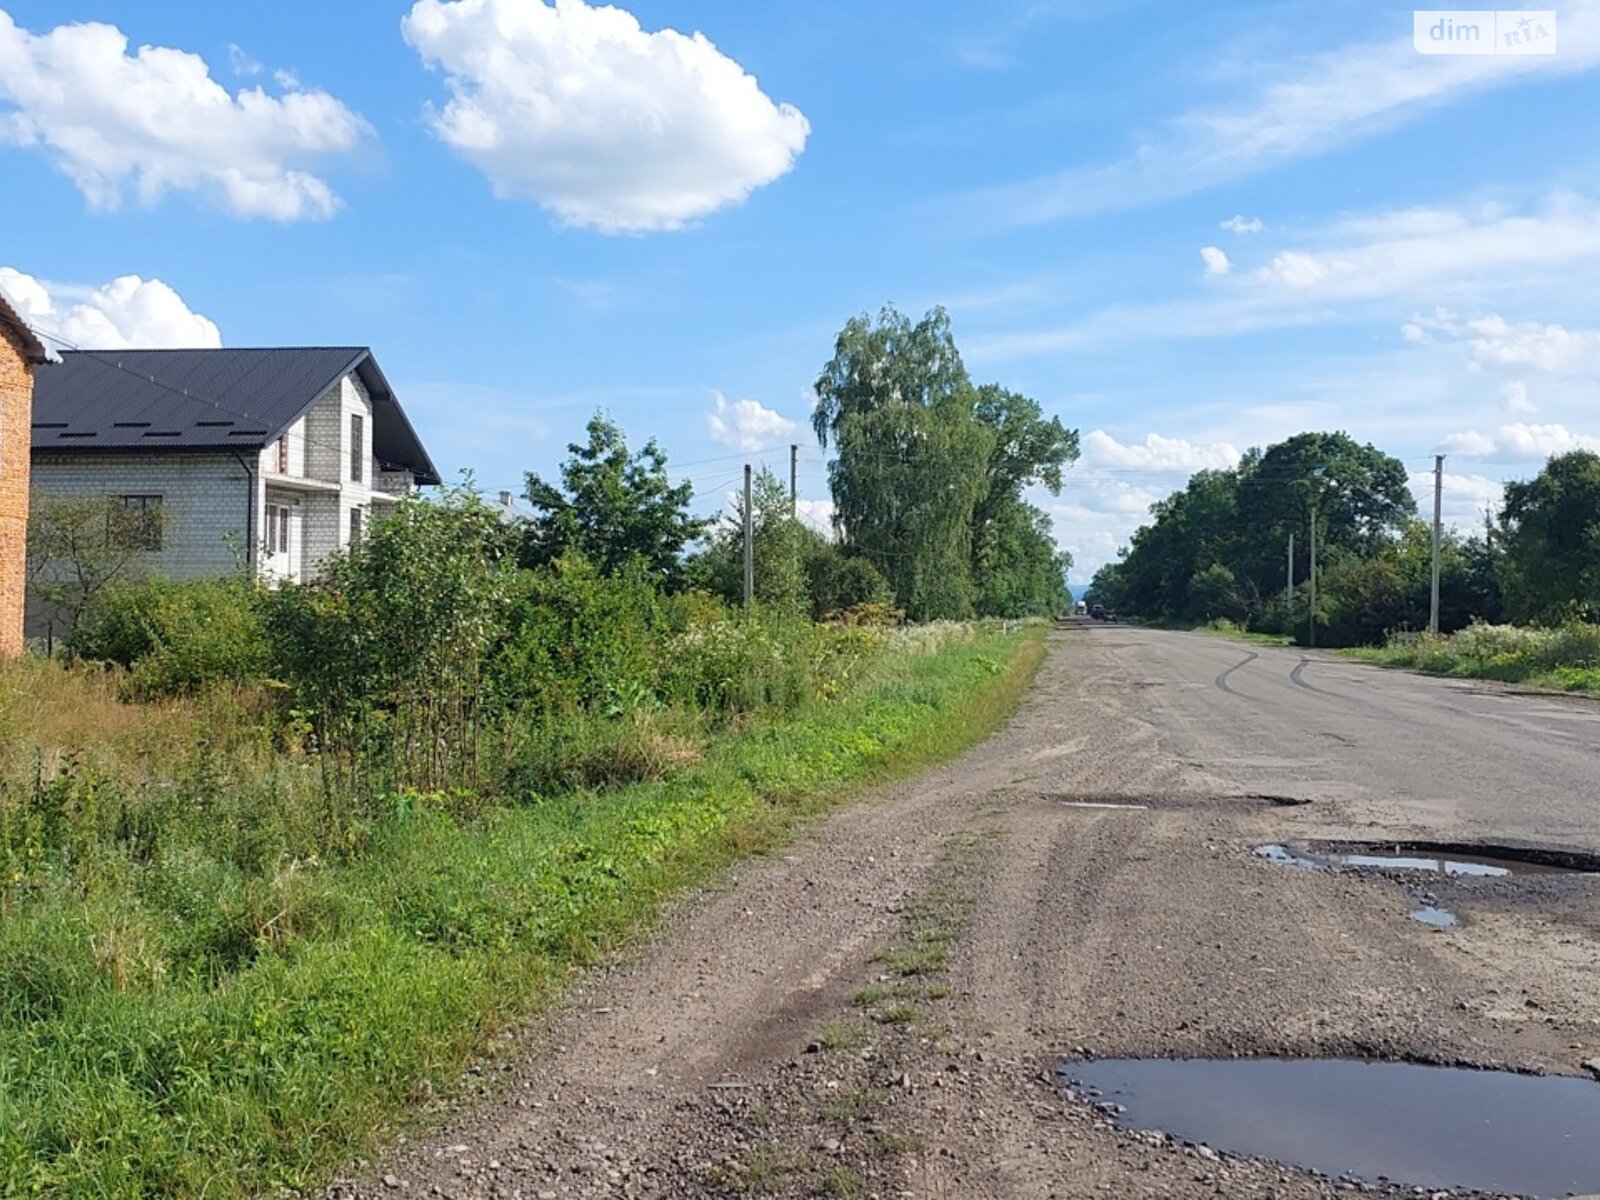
(879, 1011)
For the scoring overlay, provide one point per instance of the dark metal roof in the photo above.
(244, 399)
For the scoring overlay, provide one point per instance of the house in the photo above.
(21, 353)
(269, 459)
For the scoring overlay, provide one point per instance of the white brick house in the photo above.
(267, 459)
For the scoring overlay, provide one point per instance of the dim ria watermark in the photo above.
(1484, 31)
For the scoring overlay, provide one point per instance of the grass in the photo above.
(320, 999)
(1235, 632)
(1564, 659)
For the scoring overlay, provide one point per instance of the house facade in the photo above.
(267, 460)
(21, 353)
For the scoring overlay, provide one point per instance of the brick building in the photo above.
(269, 459)
(21, 353)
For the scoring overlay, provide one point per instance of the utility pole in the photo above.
(1311, 637)
(1288, 593)
(794, 482)
(1438, 520)
(749, 542)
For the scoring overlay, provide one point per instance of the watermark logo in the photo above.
(1484, 31)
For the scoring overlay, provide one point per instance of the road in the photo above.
(880, 1010)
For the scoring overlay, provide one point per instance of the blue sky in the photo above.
(530, 211)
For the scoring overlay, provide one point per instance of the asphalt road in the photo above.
(1441, 758)
(880, 1011)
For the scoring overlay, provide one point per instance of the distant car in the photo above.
(1111, 615)
(1098, 612)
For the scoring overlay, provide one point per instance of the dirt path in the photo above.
(879, 1012)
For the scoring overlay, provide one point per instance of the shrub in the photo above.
(176, 637)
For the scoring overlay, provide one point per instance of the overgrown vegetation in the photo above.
(1567, 657)
(1216, 551)
(276, 873)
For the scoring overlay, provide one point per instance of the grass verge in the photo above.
(1566, 659)
(116, 1081)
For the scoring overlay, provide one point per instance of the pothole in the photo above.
(1419, 1126)
(1452, 859)
(1434, 916)
(1172, 800)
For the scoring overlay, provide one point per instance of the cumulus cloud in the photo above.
(1243, 224)
(129, 313)
(818, 514)
(1216, 260)
(605, 124)
(1156, 453)
(1520, 442)
(1465, 497)
(748, 425)
(154, 121)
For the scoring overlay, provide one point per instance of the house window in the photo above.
(138, 525)
(283, 455)
(358, 454)
(355, 526)
(277, 538)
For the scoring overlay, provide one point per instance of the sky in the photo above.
(1187, 229)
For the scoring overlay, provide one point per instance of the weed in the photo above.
(844, 1183)
(225, 960)
(840, 1034)
(898, 1014)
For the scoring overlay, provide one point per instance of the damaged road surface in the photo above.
(885, 1009)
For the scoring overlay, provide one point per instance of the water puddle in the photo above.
(1426, 1127)
(1433, 915)
(1460, 862)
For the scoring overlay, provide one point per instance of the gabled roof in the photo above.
(33, 349)
(188, 400)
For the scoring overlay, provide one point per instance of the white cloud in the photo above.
(1216, 260)
(1463, 497)
(604, 124)
(1405, 252)
(818, 514)
(129, 313)
(748, 425)
(1155, 453)
(1519, 443)
(1514, 397)
(154, 122)
(1493, 341)
(1240, 223)
(1297, 109)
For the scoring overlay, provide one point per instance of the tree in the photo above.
(841, 581)
(612, 507)
(79, 546)
(1016, 567)
(1551, 534)
(1359, 494)
(912, 457)
(783, 548)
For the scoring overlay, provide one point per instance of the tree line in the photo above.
(927, 479)
(1218, 548)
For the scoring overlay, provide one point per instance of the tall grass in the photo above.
(1567, 657)
(218, 976)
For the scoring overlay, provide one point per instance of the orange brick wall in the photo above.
(16, 435)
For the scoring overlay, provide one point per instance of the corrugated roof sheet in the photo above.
(228, 399)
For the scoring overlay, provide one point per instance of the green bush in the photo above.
(176, 637)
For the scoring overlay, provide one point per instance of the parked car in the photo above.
(1098, 612)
